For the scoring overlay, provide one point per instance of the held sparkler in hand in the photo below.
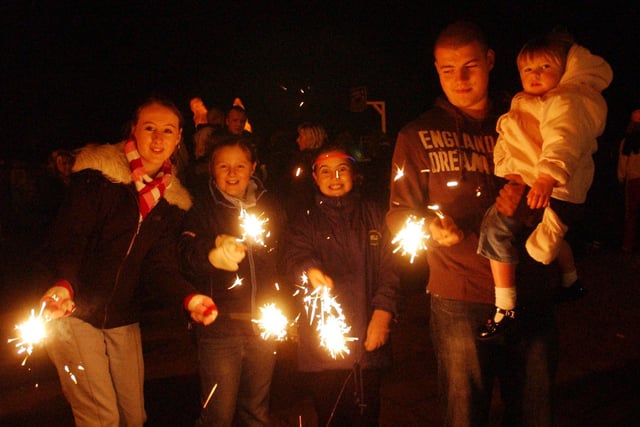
(323, 309)
(412, 238)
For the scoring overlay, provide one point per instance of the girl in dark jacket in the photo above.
(116, 229)
(342, 243)
(240, 273)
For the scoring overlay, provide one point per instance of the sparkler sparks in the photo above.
(213, 389)
(272, 322)
(253, 227)
(31, 332)
(399, 173)
(323, 309)
(236, 283)
(411, 238)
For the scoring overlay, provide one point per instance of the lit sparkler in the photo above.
(323, 309)
(253, 227)
(272, 322)
(412, 238)
(31, 332)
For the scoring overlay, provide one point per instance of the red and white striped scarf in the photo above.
(150, 190)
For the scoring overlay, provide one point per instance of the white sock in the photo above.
(506, 298)
(569, 278)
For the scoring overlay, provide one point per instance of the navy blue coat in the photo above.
(346, 238)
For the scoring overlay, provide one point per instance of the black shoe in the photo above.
(493, 329)
(572, 293)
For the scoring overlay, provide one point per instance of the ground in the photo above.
(597, 381)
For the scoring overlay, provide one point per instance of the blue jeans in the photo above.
(497, 234)
(467, 368)
(242, 368)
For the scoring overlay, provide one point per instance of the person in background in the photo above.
(341, 242)
(546, 140)
(115, 235)
(208, 122)
(446, 158)
(629, 175)
(300, 192)
(240, 272)
(60, 165)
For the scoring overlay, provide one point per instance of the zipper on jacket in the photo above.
(124, 258)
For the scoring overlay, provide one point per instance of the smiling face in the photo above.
(464, 75)
(232, 169)
(333, 173)
(157, 133)
(539, 73)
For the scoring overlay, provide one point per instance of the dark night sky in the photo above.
(73, 75)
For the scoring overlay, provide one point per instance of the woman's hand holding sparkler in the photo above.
(317, 278)
(58, 301)
(378, 330)
(201, 308)
(228, 253)
(444, 231)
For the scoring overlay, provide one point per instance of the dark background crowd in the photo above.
(69, 74)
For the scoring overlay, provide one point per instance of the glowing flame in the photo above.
(323, 309)
(31, 333)
(253, 227)
(412, 238)
(272, 322)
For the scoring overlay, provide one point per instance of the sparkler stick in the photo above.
(32, 332)
(213, 389)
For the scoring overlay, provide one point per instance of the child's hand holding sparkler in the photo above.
(58, 301)
(317, 278)
(228, 253)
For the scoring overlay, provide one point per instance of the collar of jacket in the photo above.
(346, 202)
(236, 203)
(110, 160)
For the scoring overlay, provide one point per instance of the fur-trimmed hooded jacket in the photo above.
(98, 244)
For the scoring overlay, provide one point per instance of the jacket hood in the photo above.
(110, 160)
(585, 68)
